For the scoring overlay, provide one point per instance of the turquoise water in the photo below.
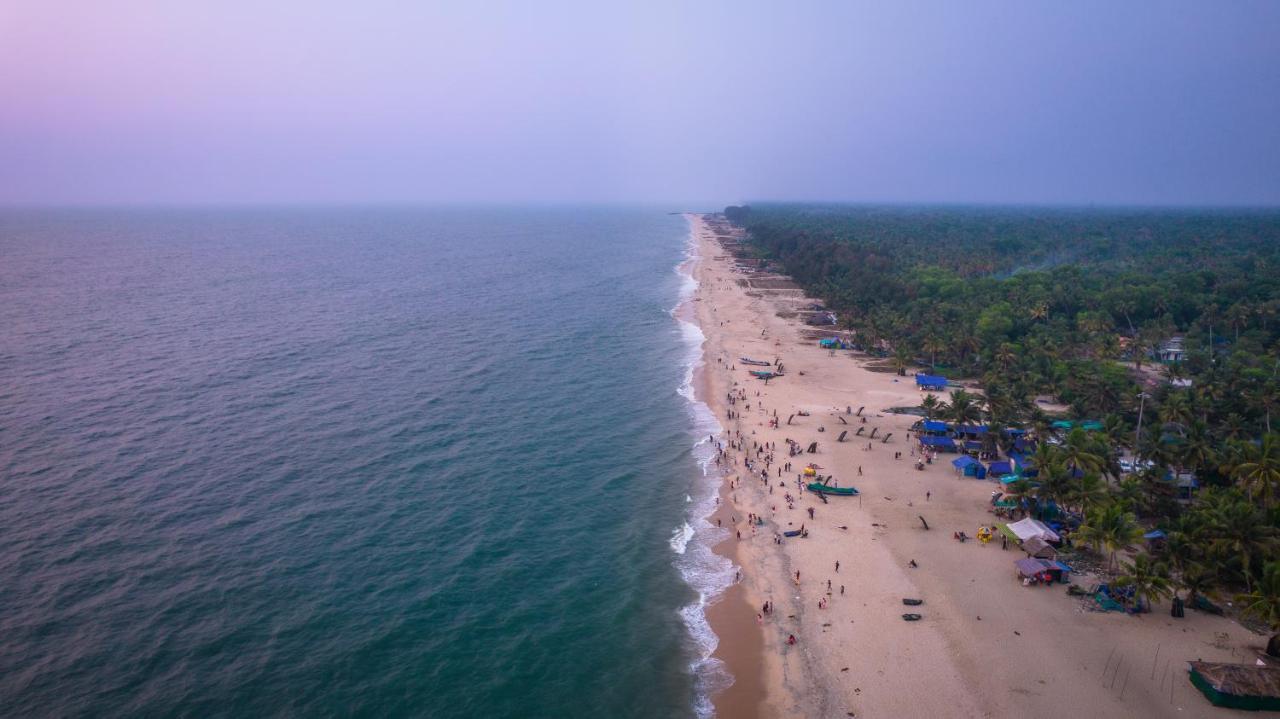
(348, 462)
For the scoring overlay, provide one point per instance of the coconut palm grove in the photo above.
(1133, 354)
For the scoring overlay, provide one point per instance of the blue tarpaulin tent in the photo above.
(928, 381)
(933, 425)
(970, 466)
(943, 443)
(977, 430)
(1000, 468)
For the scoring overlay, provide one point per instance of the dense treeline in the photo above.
(1076, 304)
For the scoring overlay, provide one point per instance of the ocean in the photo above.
(375, 462)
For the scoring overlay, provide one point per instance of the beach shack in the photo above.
(931, 383)
(1237, 686)
(1032, 570)
(1000, 469)
(1037, 548)
(934, 427)
(1025, 529)
(969, 467)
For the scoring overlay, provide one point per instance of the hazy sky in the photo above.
(176, 101)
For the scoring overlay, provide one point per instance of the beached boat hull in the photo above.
(839, 491)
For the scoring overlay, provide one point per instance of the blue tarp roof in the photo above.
(933, 425)
(1000, 468)
(1154, 534)
(972, 428)
(928, 380)
(965, 461)
(1012, 431)
(938, 442)
(972, 444)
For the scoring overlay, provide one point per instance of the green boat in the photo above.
(1238, 686)
(824, 489)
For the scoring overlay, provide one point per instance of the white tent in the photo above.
(1028, 528)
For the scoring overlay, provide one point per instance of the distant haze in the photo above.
(306, 101)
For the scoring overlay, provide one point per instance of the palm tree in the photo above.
(930, 405)
(1083, 452)
(1259, 472)
(933, 344)
(1184, 550)
(1239, 531)
(1196, 451)
(1089, 493)
(965, 407)
(1116, 430)
(1149, 579)
(1055, 480)
(1039, 312)
(1005, 356)
(1176, 409)
(1111, 529)
(1263, 603)
(901, 359)
(1018, 490)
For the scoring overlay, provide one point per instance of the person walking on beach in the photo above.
(837, 566)
(927, 495)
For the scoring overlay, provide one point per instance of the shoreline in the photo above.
(987, 646)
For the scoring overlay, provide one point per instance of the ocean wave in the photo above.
(706, 572)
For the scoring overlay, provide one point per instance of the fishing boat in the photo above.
(756, 363)
(764, 374)
(825, 489)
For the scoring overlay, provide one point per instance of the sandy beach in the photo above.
(986, 645)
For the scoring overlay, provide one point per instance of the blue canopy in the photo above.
(1000, 468)
(1009, 479)
(1154, 534)
(933, 425)
(972, 444)
(963, 462)
(928, 380)
(1014, 432)
(942, 442)
(974, 429)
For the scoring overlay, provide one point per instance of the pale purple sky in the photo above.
(173, 101)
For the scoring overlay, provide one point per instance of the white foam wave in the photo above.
(706, 572)
(680, 538)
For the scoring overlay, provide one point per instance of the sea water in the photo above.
(380, 462)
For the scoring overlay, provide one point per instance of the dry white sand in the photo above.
(987, 646)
